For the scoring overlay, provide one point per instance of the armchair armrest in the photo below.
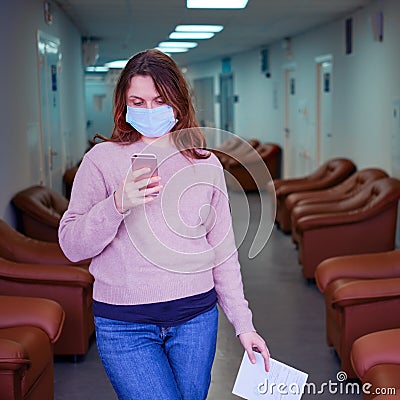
(302, 185)
(241, 162)
(316, 221)
(366, 291)
(12, 355)
(35, 273)
(42, 313)
(363, 266)
(282, 182)
(364, 354)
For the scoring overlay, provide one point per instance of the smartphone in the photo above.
(140, 160)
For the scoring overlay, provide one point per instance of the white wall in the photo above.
(364, 87)
(20, 21)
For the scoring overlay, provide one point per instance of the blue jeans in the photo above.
(148, 362)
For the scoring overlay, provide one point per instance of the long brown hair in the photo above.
(173, 88)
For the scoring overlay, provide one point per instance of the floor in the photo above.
(288, 312)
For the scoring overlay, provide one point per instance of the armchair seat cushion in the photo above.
(15, 246)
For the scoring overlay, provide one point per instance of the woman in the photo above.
(155, 313)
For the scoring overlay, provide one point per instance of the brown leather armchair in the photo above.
(249, 171)
(28, 329)
(234, 148)
(226, 147)
(40, 210)
(376, 361)
(323, 201)
(364, 223)
(29, 267)
(362, 295)
(327, 175)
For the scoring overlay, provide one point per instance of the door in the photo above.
(395, 156)
(290, 155)
(49, 67)
(324, 109)
(204, 101)
(227, 102)
(204, 105)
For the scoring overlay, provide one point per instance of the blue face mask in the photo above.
(151, 122)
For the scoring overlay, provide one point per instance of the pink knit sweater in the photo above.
(178, 245)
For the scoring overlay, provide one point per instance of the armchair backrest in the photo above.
(355, 182)
(333, 167)
(42, 203)
(327, 175)
(234, 150)
(41, 210)
(378, 195)
(334, 170)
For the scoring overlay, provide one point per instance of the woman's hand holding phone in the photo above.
(135, 190)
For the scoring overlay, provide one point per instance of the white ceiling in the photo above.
(125, 27)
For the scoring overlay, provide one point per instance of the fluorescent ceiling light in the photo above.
(116, 64)
(187, 45)
(199, 28)
(97, 69)
(216, 3)
(173, 49)
(191, 35)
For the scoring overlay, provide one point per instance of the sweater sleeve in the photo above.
(92, 220)
(226, 273)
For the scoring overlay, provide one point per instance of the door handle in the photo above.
(52, 153)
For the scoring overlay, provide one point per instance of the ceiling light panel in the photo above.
(97, 69)
(191, 35)
(188, 45)
(116, 64)
(199, 28)
(216, 4)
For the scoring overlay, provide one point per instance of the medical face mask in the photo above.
(151, 122)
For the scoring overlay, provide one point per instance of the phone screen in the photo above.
(139, 161)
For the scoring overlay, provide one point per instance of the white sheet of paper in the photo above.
(281, 382)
